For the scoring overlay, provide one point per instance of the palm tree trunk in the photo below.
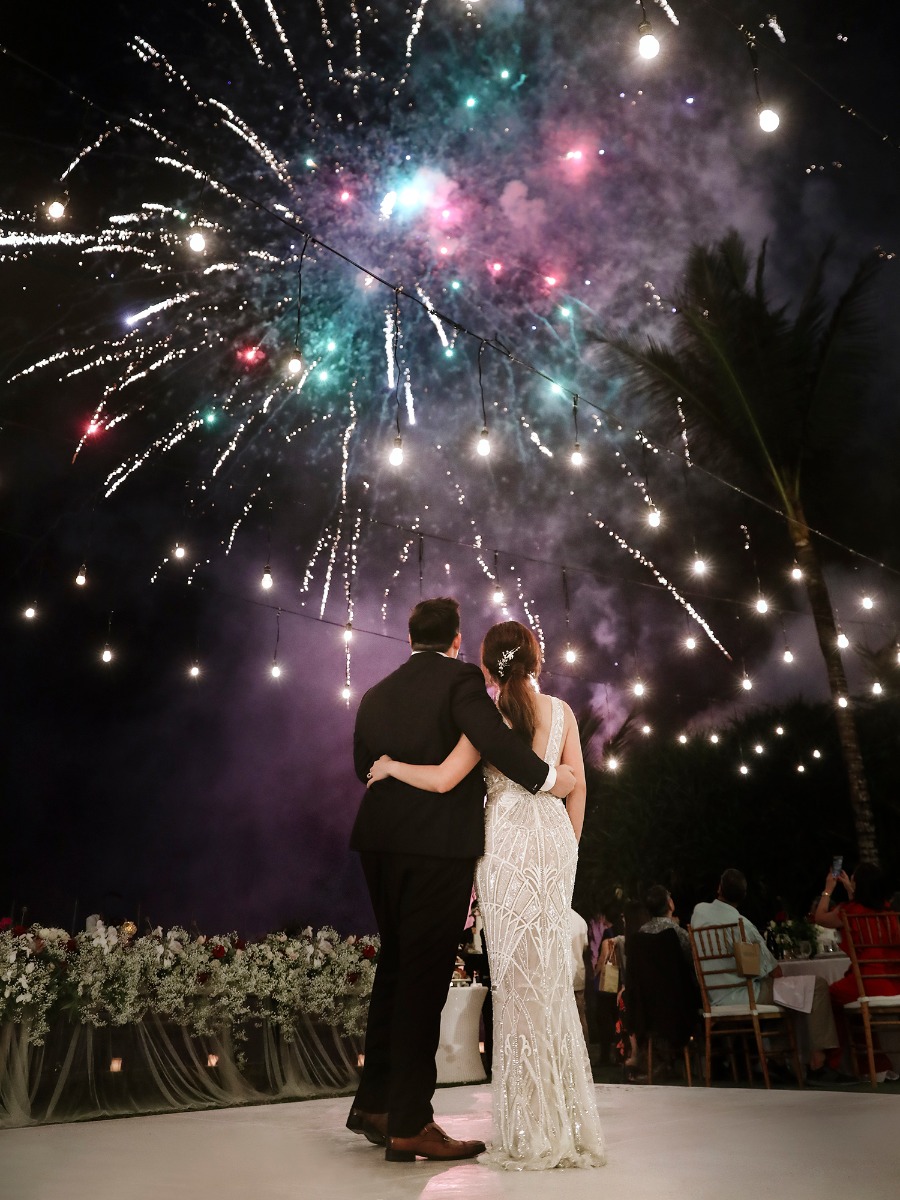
(826, 630)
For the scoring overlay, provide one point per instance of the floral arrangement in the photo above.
(785, 934)
(108, 976)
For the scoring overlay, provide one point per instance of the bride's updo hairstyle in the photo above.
(512, 657)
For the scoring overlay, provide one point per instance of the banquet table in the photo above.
(829, 967)
(458, 1056)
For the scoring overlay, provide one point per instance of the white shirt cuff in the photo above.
(550, 781)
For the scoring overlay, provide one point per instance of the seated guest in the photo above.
(725, 910)
(661, 907)
(580, 956)
(868, 893)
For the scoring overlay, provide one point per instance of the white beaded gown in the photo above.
(545, 1113)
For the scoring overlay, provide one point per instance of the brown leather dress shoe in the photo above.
(372, 1126)
(432, 1142)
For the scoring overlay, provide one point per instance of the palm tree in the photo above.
(774, 396)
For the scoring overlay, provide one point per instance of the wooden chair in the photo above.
(713, 950)
(661, 995)
(873, 943)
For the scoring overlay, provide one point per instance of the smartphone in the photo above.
(837, 864)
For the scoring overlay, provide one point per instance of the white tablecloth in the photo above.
(458, 1057)
(829, 967)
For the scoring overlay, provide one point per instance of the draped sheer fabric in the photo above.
(545, 1113)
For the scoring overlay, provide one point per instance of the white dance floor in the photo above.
(663, 1144)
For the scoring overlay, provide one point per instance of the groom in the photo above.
(418, 852)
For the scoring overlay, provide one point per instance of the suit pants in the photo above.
(420, 903)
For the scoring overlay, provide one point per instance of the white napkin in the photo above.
(794, 991)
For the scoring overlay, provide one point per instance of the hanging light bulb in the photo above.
(107, 653)
(498, 597)
(81, 577)
(762, 605)
(194, 671)
(779, 729)
(577, 456)
(867, 602)
(877, 689)
(654, 517)
(30, 613)
(796, 573)
(801, 768)
(788, 656)
(348, 632)
(571, 656)
(395, 458)
(295, 363)
(179, 550)
(484, 443)
(842, 701)
(759, 748)
(690, 642)
(769, 120)
(843, 641)
(197, 242)
(682, 737)
(746, 683)
(612, 764)
(714, 738)
(744, 769)
(646, 730)
(648, 44)
(276, 670)
(267, 581)
(699, 567)
(345, 692)
(817, 753)
(56, 208)
(638, 688)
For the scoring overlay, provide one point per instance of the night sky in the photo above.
(547, 183)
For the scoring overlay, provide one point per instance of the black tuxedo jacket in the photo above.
(416, 715)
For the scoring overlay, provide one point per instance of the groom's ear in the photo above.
(456, 643)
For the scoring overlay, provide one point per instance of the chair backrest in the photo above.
(873, 942)
(661, 993)
(713, 950)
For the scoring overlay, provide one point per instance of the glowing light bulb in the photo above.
(496, 267)
(654, 517)
(577, 456)
(30, 613)
(267, 581)
(746, 683)
(796, 573)
(498, 595)
(682, 737)
(699, 566)
(759, 748)
(195, 671)
(744, 769)
(779, 729)
(107, 654)
(843, 701)
(345, 196)
(690, 643)
(645, 730)
(295, 364)
(877, 689)
(762, 605)
(348, 633)
(843, 641)
(276, 671)
(638, 688)
(179, 551)
(648, 44)
(788, 656)
(714, 738)
(395, 458)
(817, 753)
(867, 602)
(471, 102)
(197, 242)
(613, 764)
(56, 209)
(484, 443)
(769, 120)
(81, 577)
(801, 768)
(345, 693)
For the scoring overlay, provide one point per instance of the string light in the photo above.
(646, 730)
(699, 566)
(484, 443)
(744, 769)
(843, 641)
(267, 582)
(779, 729)
(348, 632)
(195, 670)
(571, 655)
(842, 701)
(746, 683)
(867, 602)
(877, 689)
(768, 118)
(275, 670)
(762, 605)
(638, 688)
(577, 456)
(796, 573)
(107, 654)
(197, 242)
(690, 642)
(179, 551)
(759, 748)
(714, 738)
(395, 458)
(788, 655)
(346, 692)
(295, 364)
(56, 208)
(648, 44)
(497, 597)
(654, 517)
(801, 768)
(612, 764)
(30, 613)
(81, 577)
(817, 753)
(682, 737)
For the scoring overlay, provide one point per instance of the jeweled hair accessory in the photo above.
(504, 660)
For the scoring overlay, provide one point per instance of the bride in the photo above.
(545, 1114)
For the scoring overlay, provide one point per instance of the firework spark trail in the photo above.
(248, 34)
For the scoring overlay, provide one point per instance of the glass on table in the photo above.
(805, 949)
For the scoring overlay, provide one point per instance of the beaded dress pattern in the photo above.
(545, 1112)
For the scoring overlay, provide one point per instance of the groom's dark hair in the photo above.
(433, 624)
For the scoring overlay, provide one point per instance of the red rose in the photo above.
(368, 951)
(218, 951)
(352, 977)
